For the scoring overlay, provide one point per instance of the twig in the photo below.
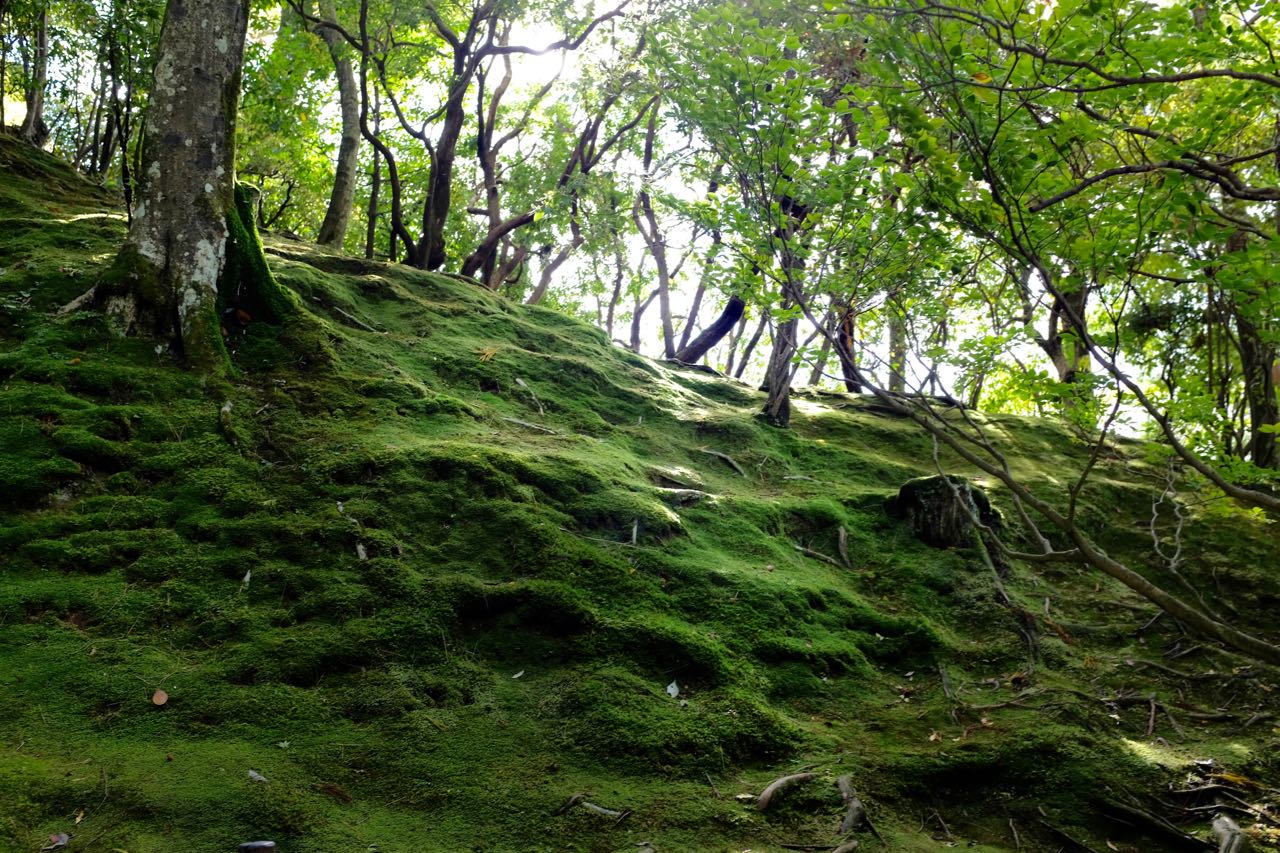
(726, 457)
(1017, 842)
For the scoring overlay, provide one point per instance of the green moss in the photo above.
(376, 584)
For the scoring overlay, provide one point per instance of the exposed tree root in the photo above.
(777, 786)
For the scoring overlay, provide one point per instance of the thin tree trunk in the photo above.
(33, 128)
(655, 240)
(751, 346)
(333, 230)
(375, 188)
(735, 338)
(636, 314)
(820, 363)
(897, 350)
(620, 265)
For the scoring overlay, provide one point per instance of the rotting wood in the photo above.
(777, 786)
(726, 457)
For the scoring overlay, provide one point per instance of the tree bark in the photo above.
(333, 230)
(190, 246)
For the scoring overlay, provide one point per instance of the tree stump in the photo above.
(940, 510)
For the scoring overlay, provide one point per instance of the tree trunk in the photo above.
(33, 128)
(431, 248)
(777, 378)
(847, 351)
(191, 246)
(636, 314)
(333, 230)
(751, 346)
(702, 344)
(897, 350)
(1257, 357)
(375, 189)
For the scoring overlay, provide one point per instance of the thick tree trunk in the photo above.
(333, 230)
(189, 243)
(33, 128)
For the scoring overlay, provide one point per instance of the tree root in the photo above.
(726, 457)
(1231, 838)
(777, 786)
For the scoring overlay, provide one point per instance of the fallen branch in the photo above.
(779, 785)
(726, 457)
(579, 800)
(527, 425)
(356, 321)
(817, 555)
(1079, 845)
(1126, 813)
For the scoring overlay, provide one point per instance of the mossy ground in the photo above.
(427, 622)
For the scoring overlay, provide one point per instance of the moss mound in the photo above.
(476, 559)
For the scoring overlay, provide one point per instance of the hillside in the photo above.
(438, 565)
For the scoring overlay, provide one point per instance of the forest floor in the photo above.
(447, 561)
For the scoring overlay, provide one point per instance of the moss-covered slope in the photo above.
(435, 584)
